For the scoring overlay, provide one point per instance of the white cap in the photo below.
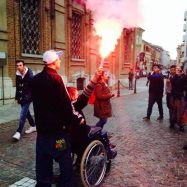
(50, 56)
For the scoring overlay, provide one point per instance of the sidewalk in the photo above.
(11, 112)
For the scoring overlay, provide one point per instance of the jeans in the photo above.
(177, 110)
(152, 99)
(168, 98)
(48, 150)
(25, 114)
(101, 122)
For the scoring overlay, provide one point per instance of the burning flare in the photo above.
(108, 35)
(110, 17)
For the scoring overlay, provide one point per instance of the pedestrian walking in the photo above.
(23, 97)
(102, 104)
(156, 88)
(130, 77)
(54, 116)
(171, 74)
(177, 98)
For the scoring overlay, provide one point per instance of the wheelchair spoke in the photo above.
(94, 168)
(94, 164)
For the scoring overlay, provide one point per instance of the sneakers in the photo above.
(181, 128)
(146, 118)
(185, 147)
(160, 118)
(16, 136)
(112, 154)
(112, 146)
(30, 130)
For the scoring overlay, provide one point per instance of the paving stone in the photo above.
(149, 153)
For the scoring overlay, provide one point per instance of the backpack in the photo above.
(91, 99)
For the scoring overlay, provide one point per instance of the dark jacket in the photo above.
(185, 88)
(79, 133)
(156, 84)
(82, 100)
(130, 75)
(178, 86)
(102, 105)
(52, 106)
(23, 93)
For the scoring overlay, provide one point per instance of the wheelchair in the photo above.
(95, 162)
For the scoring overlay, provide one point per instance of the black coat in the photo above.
(52, 106)
(178, 86)
(156, 84)
(23, 93)
(79, 133)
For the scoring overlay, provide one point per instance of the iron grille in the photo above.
(30, 26)
(76, 36)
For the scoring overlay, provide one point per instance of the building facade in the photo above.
(180, 54)
(152, 55)
(165, 59)
(28, 28)
(184, 48)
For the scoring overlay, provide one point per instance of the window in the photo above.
(76, 51)
(30, 26)
(147, 49)
(126, 49)
(80, 83)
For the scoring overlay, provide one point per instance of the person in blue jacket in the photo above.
(156, 89)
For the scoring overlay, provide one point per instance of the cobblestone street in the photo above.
(149, 153)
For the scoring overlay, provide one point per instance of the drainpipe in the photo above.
(3, 90)
(52, 15)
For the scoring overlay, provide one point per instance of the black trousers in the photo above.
(49, 148)
(152, 99)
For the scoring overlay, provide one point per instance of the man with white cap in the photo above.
(53, 116)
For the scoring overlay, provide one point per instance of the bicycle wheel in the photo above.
(93, 164)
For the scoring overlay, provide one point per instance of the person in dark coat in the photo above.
(168, 92)
(177, 98)
(102, 105)
(23, 97)
(156, 88)
(130, 77)
(54, 116)
(185, 104)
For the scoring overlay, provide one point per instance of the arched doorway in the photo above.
(80, 83)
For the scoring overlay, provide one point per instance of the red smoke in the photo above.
(110, 17)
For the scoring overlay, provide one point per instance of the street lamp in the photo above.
(118, 92)
(135, 84)
(136, 65)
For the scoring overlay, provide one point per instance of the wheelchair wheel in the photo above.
(93, 164)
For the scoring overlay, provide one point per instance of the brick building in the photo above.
(28, 28)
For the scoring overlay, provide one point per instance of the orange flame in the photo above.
(110, 31)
